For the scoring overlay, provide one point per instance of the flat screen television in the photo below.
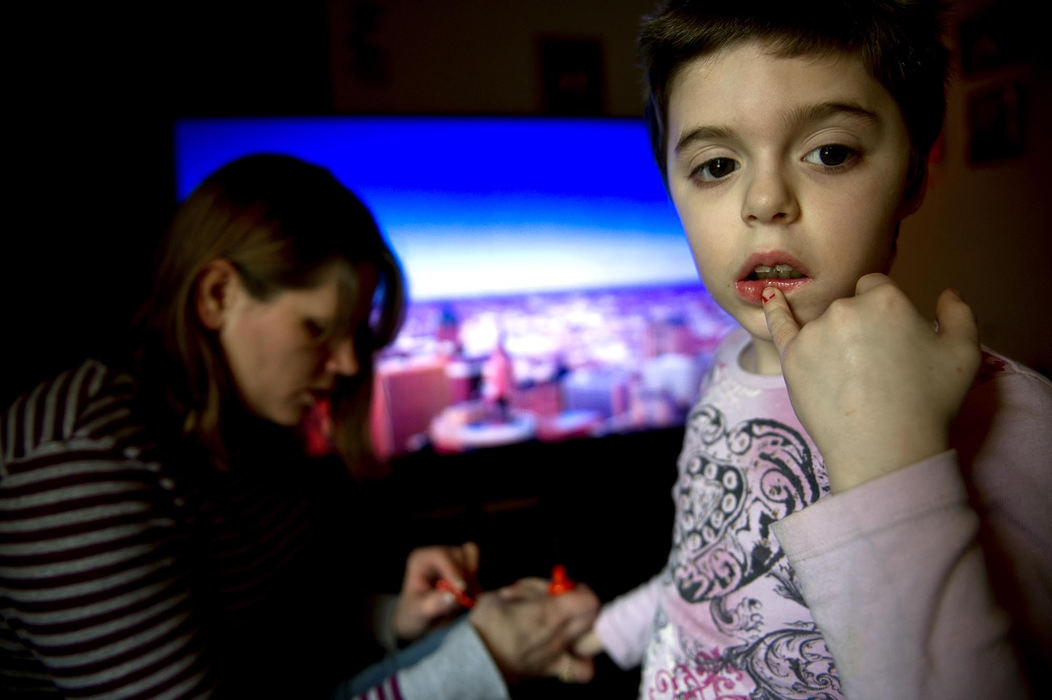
(552, 292)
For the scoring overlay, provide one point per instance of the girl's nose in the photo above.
(770, 198)
(342, 358)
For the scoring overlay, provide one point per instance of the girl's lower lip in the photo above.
(750, 290)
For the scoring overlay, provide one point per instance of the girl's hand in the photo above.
(588, 644)
(871, 380)
(531, 633)
(421, 605)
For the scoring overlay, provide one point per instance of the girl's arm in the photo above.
(623, 627)
(904, 568)
(896, 580)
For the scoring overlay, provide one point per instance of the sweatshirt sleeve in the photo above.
(624, 623)
(915, 617)
(459, 669)
(947, 560)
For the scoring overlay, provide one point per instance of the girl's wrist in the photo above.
(861, 463)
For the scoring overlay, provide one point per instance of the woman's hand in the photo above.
(421, 605)
(530, 633)
(872, 381)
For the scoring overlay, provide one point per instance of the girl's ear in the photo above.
(912, 201)
(217, 287)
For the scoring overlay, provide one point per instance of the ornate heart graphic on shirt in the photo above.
(733, 484)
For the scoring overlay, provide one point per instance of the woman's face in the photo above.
(285, 353)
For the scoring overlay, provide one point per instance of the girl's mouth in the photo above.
(774, 269)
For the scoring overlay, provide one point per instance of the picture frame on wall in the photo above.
(571, 72)
(994, 38)
(995, 123)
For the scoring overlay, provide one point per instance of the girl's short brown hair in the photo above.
(898, 41)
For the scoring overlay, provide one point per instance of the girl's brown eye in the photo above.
(314, 329)
(715, 169)
(830, 155)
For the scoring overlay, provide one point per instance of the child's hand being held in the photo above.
(872, 381)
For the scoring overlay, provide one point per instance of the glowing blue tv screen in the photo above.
(552, 291)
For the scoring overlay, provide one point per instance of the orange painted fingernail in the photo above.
(561, 583)
(463, 598)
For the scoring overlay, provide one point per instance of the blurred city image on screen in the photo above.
(552, 292)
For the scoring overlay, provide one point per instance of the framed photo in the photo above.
(571, 76)
(995, 37)
(995, 123)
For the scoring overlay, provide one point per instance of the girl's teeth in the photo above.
(780, 271)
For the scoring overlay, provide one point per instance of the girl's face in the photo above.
(285, 353)
(786, 172)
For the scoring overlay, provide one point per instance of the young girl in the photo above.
(859, 512)
(162, 534)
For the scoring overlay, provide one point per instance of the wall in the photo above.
(474, 55)
(984, 227)
(90, 99)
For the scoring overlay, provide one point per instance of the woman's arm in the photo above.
(94, 578)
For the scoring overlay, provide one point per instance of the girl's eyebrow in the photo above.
(810, 114)
(703, 133)
(807, 114)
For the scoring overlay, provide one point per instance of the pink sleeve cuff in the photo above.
(624, 624)
(875, 505)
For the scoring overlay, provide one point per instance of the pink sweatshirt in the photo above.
(932, 582)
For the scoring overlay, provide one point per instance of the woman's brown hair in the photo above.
(283, 224)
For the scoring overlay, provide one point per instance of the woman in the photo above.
(161, 533)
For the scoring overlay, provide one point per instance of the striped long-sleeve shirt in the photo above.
(127, 570)
(95, 594)
(122, 575)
